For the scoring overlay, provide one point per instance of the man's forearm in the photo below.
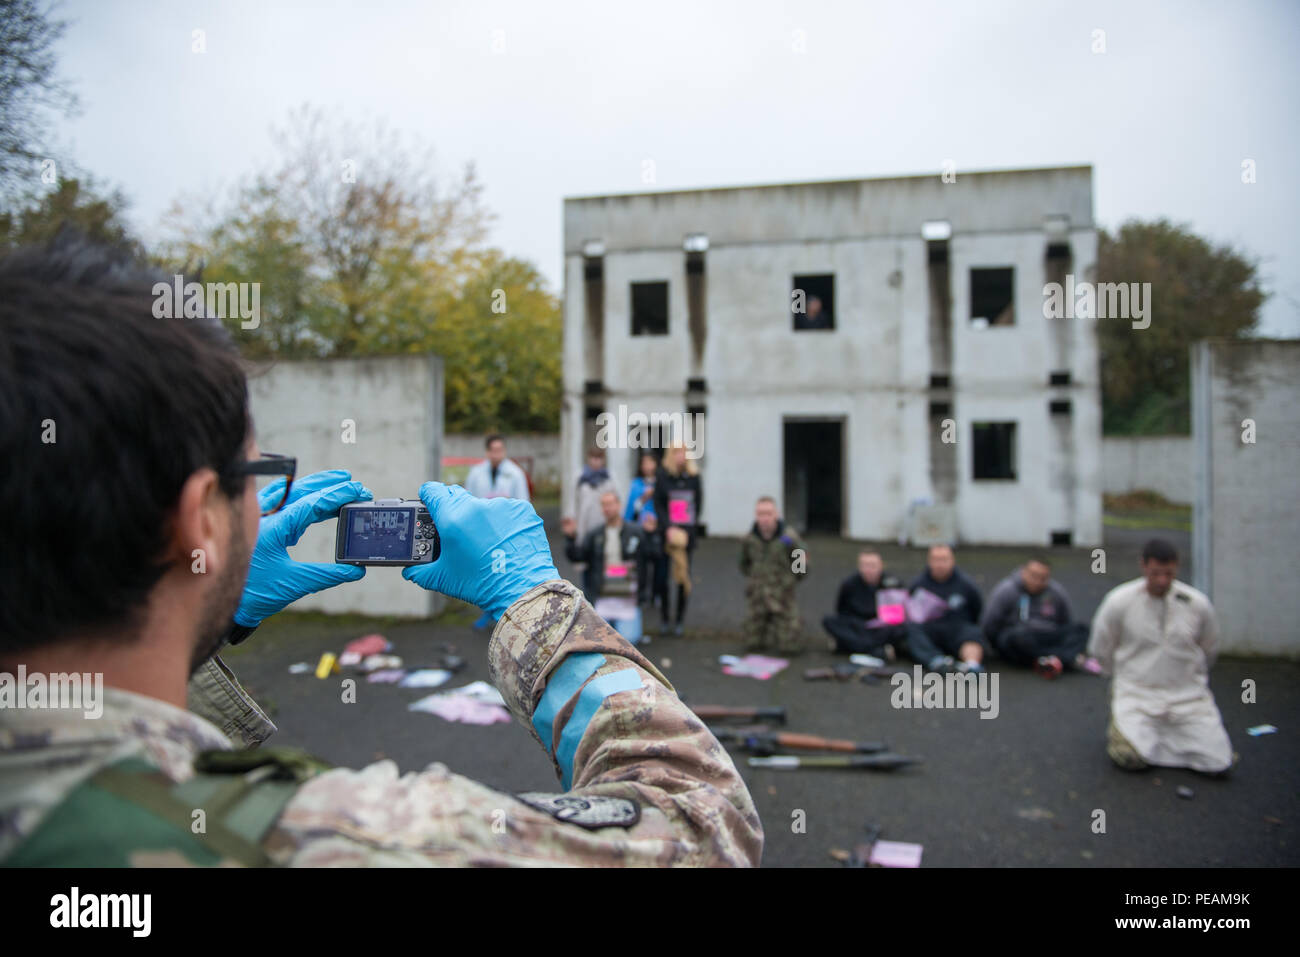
(614, 726)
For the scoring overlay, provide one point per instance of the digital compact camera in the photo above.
(387, 531)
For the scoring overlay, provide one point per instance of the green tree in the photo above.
(73, 204)
(30, 91)
(500, 335)
(1197, 291)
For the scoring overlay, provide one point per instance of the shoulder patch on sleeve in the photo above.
(592, 812)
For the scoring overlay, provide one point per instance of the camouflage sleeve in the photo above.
(216, 695)
(615, 728)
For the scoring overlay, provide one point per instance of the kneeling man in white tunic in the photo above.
(1158, 637)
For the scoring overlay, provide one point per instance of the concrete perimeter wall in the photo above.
(1160, 463)
(1246, 523)
(302, 408)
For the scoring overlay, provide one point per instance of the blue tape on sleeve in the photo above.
(562, 685)
(589, 702)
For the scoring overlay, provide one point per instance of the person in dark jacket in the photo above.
(612, 555)
(654, 566)
(856, 627)
(678, 502)
(943, 614)
(1027, 620)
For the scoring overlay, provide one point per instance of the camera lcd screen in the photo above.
(380, 534)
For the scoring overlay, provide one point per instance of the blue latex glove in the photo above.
(493, 549)
(274, 579)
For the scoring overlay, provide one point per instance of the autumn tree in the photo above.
(361, 250)
(1198, 290)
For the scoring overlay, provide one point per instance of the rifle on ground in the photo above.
(847, 672)
(717, 712)
(865, 762)
(761, 741)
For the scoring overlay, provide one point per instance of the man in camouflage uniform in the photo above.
(152, 465)
(774, 560)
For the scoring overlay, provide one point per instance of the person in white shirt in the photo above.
(497, 476)
(1158, 638)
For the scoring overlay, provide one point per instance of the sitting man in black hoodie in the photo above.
(858, 627)
(1028, 621)
(943, 616)
(612, 554)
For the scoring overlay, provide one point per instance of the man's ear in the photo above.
(201, 525)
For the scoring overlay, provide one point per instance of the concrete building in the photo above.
(927, 370)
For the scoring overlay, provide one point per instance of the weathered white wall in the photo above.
(1245, 519)
(1161, 463)
(873, 369)
(299, 409)
(1000, 373)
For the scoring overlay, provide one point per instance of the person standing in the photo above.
(773, 560)
(942, 615)
(496, 477)
(654, 568)
(678, 501)
(593, 484)
(1158, 638)
(641, 493)
(654, 562)
(1027, 619)
(857, 627)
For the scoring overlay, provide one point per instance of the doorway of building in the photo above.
(814, 475)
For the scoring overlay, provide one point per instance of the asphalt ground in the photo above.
(1031, 787)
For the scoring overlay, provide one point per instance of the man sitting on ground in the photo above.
(942, 615)
(859, 625)
(1027, 619)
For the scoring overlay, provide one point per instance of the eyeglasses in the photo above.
(271, 469)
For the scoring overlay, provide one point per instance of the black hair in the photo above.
(1159, 550)
(494, 437)
(105, 412)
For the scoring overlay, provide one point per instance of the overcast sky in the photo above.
(717, 94)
